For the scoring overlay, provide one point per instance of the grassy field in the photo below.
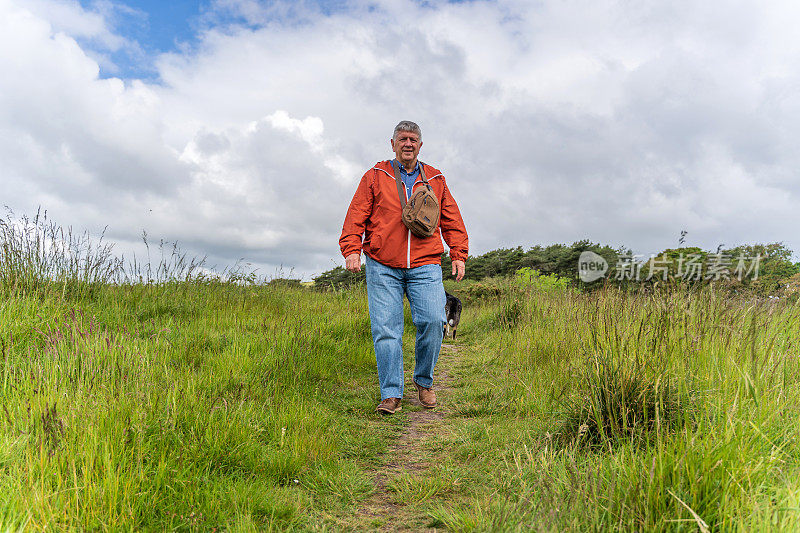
(206, 406)
(612, 411)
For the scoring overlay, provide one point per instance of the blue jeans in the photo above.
(385, 288)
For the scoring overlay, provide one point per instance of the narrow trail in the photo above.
(407, 453)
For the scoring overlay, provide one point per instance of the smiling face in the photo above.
(406, 145)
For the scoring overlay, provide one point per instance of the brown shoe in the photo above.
(426, 396)
(389, 406)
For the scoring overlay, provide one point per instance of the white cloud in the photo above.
(94, 27)
(68, 17)
(553, 122)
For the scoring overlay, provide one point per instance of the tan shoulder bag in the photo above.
(421, 211)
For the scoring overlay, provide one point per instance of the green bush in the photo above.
(486, 289)
(623, 400)
(527, 277)
(339, 278)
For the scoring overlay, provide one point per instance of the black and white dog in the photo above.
(452, 310)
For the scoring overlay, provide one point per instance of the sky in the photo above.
(240, 128)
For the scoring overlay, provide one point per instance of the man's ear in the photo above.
(391, 142)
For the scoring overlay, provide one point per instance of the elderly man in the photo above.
(399, 262)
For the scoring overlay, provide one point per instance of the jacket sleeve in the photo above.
(357, 215)
(452, 225)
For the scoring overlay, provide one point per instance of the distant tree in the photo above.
(284, 282)
(678, 263)
(338, 278)
(775, 266)
(558, 259)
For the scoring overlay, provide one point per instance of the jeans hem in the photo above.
(396, 394)
(423, 385)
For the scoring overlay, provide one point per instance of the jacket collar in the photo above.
(387, 168)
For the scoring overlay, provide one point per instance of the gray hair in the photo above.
(407, 125)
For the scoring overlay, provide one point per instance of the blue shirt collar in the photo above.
(396, 164)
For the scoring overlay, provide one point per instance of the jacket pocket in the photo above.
(375, 242)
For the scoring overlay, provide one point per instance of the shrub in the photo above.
(620, 400)
(484, 290)
(285, 283)
(527, 277)
(339, 278)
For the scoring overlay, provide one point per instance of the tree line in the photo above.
(776, 270)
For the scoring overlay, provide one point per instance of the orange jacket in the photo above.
(375, 214)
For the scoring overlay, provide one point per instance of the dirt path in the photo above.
(407, 454)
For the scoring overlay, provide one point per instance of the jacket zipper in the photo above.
(408, 250)
(408, 253)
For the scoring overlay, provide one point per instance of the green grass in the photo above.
(161, 407)
(204, 405)
(194, 403)
(624, 411)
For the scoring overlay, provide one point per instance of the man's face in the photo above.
(406, 146)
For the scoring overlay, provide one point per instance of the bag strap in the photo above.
(422, 175)
(401, 187)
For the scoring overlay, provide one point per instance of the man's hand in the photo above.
(353, 263)
(458, 270)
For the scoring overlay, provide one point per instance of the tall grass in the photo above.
(37, 254)
(653, 410)
(152, 395)
(226, 407)
(184, 401)
(40, 257)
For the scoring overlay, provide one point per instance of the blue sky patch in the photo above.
(158, 26)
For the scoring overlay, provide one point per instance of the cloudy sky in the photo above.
(240, 128)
